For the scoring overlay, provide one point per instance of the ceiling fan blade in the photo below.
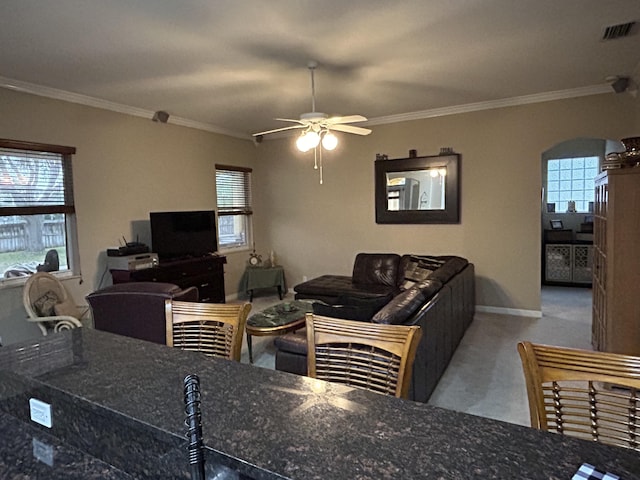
(346, 119)
(350, 129)
(278, 130)
(290, 120)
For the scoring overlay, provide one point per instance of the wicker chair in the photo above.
(215, 329)
(591, 395)
(362, 354)
(48, 304)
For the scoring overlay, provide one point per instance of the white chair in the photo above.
(48, 304)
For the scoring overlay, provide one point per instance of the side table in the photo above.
(262, 277)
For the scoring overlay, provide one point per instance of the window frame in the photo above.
(239, 206)
(66, 207)
(559, 207)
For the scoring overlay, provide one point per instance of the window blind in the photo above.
(35, 182)
(233, 189)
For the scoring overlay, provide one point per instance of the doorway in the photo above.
(566, 215)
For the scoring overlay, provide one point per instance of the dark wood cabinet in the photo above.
(204, 273)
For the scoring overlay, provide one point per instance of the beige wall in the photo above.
(126, 166)
(317, 229)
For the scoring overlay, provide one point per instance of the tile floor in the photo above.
(485, 375)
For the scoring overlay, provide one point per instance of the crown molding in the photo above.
(491, 104)
(26, 87)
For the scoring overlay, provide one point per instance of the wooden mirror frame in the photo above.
(451, 212)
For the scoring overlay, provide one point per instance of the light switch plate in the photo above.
(43, 452)
(40, 412)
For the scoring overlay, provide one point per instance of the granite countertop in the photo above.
(124, 397)
(26, 452)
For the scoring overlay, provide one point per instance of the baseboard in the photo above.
(509, 311)
(231, 298)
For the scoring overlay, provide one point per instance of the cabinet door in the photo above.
(582, 263)
(210, 287)
(558, 263)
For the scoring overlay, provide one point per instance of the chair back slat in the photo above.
(591, 395)
(211, 328)
(362, 354)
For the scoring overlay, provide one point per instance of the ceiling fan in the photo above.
(317, 126)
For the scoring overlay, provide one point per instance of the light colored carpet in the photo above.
(485, 375)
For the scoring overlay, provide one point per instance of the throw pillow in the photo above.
(66, 308)
(429, 287)
(401, 307)
(418, 268)
(45, 304)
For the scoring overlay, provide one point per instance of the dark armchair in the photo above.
(136, 309)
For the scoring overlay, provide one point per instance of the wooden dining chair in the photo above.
(215, 329)
(361, 354)
(587, 394)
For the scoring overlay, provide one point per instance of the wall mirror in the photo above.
(418, 189)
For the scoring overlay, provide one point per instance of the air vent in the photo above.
(618, 31)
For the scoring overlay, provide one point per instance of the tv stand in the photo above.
(204, 273)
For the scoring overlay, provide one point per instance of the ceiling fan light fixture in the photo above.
(301, 143)
(329, 141)
(313, 139)
(307, 141)
(316, 128)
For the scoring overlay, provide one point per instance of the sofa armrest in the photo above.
(189, 294)
(136, 309)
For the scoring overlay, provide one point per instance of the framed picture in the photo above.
(588, 219)
(551, 208)
(556, 224)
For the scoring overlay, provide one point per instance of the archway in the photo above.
(568, 170)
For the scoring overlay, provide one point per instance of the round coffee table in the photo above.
(277, 320)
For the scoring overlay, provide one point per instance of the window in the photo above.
(233, 191)
(37, 212)
(571, 179)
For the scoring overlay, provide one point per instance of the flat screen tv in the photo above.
(177, 235)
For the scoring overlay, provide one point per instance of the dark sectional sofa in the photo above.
(435, 292)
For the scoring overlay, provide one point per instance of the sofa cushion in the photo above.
(292, 342)
(68, 308)
(351, 308)
(401, 307)
(331, 287)
(376, 269)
